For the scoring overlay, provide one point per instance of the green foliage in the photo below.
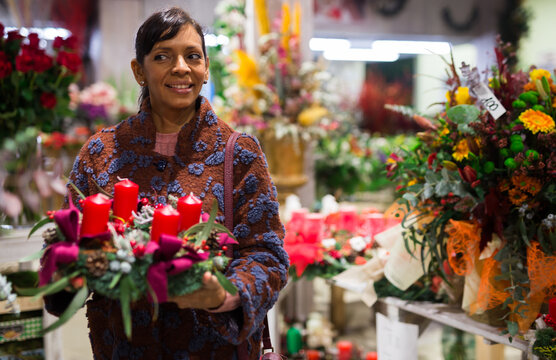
(545, 344)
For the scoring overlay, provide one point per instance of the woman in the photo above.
(175, 145)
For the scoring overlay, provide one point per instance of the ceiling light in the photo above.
(412, 47)
(358, 54)
(324, 44)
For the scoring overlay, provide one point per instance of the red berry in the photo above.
(205, 247)
(132, 243)
(224, 248)
(144, 201)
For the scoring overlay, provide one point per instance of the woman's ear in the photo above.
(137, 72)
(207, 70)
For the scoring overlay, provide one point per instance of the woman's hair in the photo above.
(160, 26)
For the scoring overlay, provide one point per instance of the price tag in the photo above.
(488, 100)
(396, 340)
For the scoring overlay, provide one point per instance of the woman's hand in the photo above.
(210, 295)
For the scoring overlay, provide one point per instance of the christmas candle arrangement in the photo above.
(189, 208)
(126, 193)
(313, 228)
(165, 221)
(96, 212)
(348, 218)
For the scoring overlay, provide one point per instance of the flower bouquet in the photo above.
(478, 190)
(127, 249)
(34, 92)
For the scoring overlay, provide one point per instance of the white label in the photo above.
(488, 100)
(396, 340)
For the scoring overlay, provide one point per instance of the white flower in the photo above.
(125, 267)
(328, 243)
(357, 243)
(121, 254)
(114, 265)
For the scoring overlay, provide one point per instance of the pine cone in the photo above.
(97, 263)
(50, 236)
(212, 241)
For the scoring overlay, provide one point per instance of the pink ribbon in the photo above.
(164, 263)
(62, 252)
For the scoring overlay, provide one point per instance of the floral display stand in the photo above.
(449, 315)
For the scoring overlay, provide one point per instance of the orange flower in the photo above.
(526, 183)
(504, 185)
(536, 121)
(517, 197)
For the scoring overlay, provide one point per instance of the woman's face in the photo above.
(174, 71)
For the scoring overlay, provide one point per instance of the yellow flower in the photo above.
(462, 95)
(536, 121)
(461, 150)
(247, 72)
(311, 115)
(537, 74)
(412, 182)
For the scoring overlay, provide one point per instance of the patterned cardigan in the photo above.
(260, 265)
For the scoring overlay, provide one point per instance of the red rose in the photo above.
(24, 62)
(43, 62)
(5, 65)
(14, 35)
(33, 40)
(48, 100)
(71, 61)
(71, 42)
(58, 42)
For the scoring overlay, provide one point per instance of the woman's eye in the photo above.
(160, 57)
(194, 56)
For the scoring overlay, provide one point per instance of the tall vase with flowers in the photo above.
(34, 91)
(275, 94)
(479, 189)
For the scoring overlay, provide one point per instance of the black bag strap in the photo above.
(243, 353)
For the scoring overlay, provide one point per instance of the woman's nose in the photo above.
(180, 66)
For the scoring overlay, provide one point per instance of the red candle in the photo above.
(371, 355)
(552, 308)
(348, 219)
(297, 219)
(126, 193)
(373, 224)
(96, 211)
(312, 354)
(189, 208)
(313, 228)
(344, 349)
(165, 221)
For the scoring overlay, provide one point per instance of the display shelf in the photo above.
(15, 246)
(451, 316)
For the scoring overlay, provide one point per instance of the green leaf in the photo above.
(48, 289)
(513, 327)
(463, 114)
(27, 94)
(226, 283)
(32, 257)
(115, 280)
(125, 299)
(76, 303)
(38, 225)
(411, 198)
(523, 232)
(208, 226)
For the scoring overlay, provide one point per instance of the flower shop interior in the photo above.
(411, 143)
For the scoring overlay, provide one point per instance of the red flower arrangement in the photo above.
(34, 84)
